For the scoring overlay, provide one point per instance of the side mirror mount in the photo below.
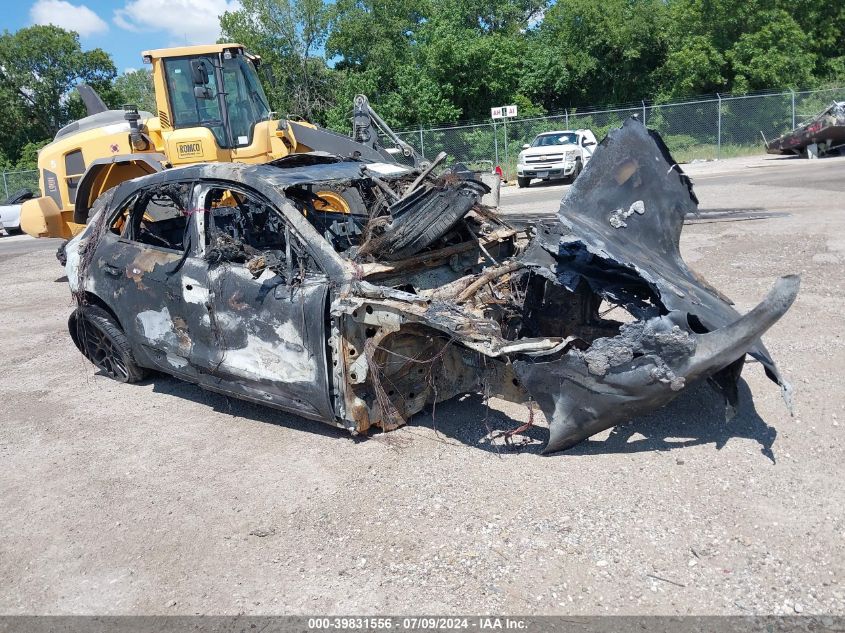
(526, 146)
(199, 72)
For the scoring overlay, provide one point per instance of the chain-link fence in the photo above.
(14, 181)
(706, 128)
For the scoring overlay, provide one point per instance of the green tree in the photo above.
(39, 67)
(289, 35)
(729, 46)
(29, 156)
(771, 56)
(823, 24)
(136, 88)
(427, 62)
(588, 52)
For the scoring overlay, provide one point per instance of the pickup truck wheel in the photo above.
(578, 167)
(98, 336)
(522, 182)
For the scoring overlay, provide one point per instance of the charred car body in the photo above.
(825, 132)
(230, 276)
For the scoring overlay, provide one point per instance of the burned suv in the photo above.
(244, 280)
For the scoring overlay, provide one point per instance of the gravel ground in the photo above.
(162, 498)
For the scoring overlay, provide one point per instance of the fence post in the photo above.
(643, 102)
(505, 123)
(495, 144)
(793, 107)
(566, 118)
(5, 186)
(719, 127)
(422, 143)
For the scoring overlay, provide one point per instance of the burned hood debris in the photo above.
(359, 293)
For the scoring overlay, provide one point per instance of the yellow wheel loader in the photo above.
(210, 108)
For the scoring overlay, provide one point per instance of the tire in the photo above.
(522, 182)
(98, 336)
(351, 196)
(416, 230)
(578, 167)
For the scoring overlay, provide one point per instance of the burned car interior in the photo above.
(358, 294)
(156, 216)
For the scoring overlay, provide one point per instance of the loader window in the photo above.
(189, 110)
(197, 104)
(245, 99)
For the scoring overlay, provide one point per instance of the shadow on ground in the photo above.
(539, 184)
(170, 386)
(695, 418)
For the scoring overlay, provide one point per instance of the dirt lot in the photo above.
(161, 498)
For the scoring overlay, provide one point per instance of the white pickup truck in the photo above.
(555, 155)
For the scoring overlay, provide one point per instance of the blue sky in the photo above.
(123, 28)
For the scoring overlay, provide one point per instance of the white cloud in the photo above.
(69, 16)
(185, 21)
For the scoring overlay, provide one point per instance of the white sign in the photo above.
(503, 112)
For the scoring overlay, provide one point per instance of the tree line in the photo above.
(429, 62)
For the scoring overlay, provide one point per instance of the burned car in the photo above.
(241, 279)
(823, 134)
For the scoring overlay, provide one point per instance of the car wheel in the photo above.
(522, 182)
(578, 167)
(12, 231)
(98, 336)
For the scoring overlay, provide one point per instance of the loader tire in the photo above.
(350, 195)
(81, 216)
(101, 340)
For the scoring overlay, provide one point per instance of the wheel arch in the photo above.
(89, 298)
(104, 173)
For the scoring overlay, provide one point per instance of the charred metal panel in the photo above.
(141, 284)
(269, 334)
(620, 233)
(641, 369)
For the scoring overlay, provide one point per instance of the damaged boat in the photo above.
(243, 279)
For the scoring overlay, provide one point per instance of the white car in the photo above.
(10, 211)
(555, 155)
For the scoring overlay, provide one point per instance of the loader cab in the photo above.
(209, 101)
